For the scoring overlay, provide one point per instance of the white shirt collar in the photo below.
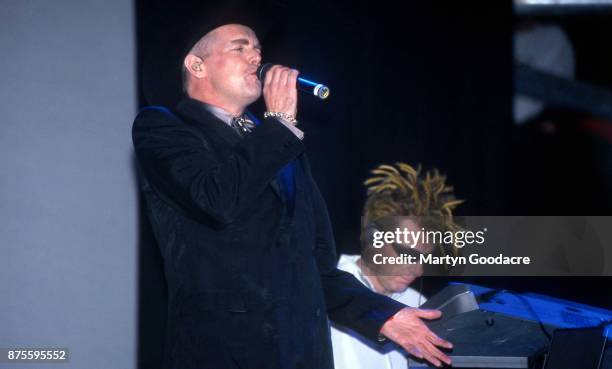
(220, 113)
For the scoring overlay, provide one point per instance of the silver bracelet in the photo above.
(276, 114)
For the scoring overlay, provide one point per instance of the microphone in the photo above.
(312, 88)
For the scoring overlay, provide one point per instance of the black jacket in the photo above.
(250, 284)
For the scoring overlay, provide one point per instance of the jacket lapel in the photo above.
(197, 115)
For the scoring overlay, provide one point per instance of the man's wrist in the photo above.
(291, 127)
(280, 115)
(381, 337)
(385, 326)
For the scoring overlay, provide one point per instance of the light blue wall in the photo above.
(68, 217)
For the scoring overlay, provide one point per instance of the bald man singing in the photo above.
(247, 244)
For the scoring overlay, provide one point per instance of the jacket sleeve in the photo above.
(349, 302)
(183, 166)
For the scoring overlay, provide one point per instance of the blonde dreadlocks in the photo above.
(401, 190)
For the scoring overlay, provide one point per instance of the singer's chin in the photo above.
(251, 81)
(253, 92)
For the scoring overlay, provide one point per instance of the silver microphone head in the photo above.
(321, 91)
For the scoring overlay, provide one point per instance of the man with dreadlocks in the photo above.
(399, 197)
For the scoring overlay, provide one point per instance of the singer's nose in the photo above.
(255, 58)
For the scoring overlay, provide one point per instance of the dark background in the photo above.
(420, 83)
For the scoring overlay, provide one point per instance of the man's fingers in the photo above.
(269, 75)
(428, 314)
(289, 77)
(437, 354)
(415, 337)
(279, 76)
(292, 78)
(273, 75)
(416, 352)
(430, 355)
(433, 360)
(428, 352)
(280, 91)
(276, 75)
(282, 80)
(440, 342)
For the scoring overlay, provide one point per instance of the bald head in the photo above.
(221, 68)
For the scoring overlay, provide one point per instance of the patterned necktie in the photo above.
(243, 125)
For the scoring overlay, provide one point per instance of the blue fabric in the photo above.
(159, 108)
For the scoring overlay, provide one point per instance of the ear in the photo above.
(195, 66)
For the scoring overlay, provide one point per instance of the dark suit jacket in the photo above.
(250, 285)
